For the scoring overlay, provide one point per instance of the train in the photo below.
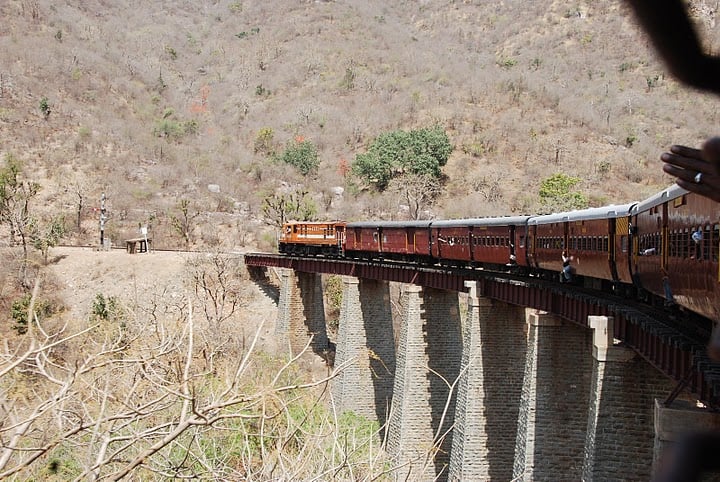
(663, 249)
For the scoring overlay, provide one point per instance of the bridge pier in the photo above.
(554, 403)
(365, 350)
(673, 426)
(493, 356)
(622, 396)
(428, 362)
(301, 312)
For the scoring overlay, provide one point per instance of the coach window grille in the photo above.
(706, 243)
(672, 249)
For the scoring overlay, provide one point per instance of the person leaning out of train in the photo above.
(566, 274)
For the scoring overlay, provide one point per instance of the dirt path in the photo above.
(139, 280)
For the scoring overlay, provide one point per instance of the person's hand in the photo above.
(696, 170)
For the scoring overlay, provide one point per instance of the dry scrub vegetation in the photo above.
(152, 104)
(182, 382)
(177, 111)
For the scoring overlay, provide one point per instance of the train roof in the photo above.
(605, 212)
(663, 196)
(497, 221)
(389, 224)
(445, 223)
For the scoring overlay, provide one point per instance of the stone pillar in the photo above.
(614, 445)
(301, 312)
(486, 417)
(365, 352)
(553, 409)
(428, 362)
(673, 428)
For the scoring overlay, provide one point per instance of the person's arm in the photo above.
(669, 27)
(697, 170)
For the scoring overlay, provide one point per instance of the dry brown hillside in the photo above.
(153, 102)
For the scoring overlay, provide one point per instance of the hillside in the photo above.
(152, 104)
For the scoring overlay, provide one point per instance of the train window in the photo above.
(594, 244)
(624, 243)
(375, 237)
(679, 201)
(672, 239)
(606, 244)
(522, 241)
(706, 243)
(715, 240)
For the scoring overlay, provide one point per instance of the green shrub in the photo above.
(422, 152)
(45, 107)
(19, 312)
(106, 309)
(556, 194)
(302, 155)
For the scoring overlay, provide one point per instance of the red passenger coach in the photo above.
(593, 238)
(401, 240)
(496, 241)
(677, 236)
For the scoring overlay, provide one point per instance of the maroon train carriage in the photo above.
(490, 241)
(667, 245)
(593, 238)
(312, 238)
(398, 240)
(677, 237)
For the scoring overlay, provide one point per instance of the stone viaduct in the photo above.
(472, 388)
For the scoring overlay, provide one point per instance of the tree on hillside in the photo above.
(184, 222)
(302, 155)
(419, 191)
(279, 208)
(15, 196)
(418, 152)
(556, 194)
(46, 235)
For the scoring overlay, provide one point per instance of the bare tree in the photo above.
(15, 196)
(418, 191)
(183, 222)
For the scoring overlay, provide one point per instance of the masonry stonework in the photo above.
(428, 363)
(619, 441)
(301, 312)
(676, 426)
(494, 347)
(554, 405)
(365, 350)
